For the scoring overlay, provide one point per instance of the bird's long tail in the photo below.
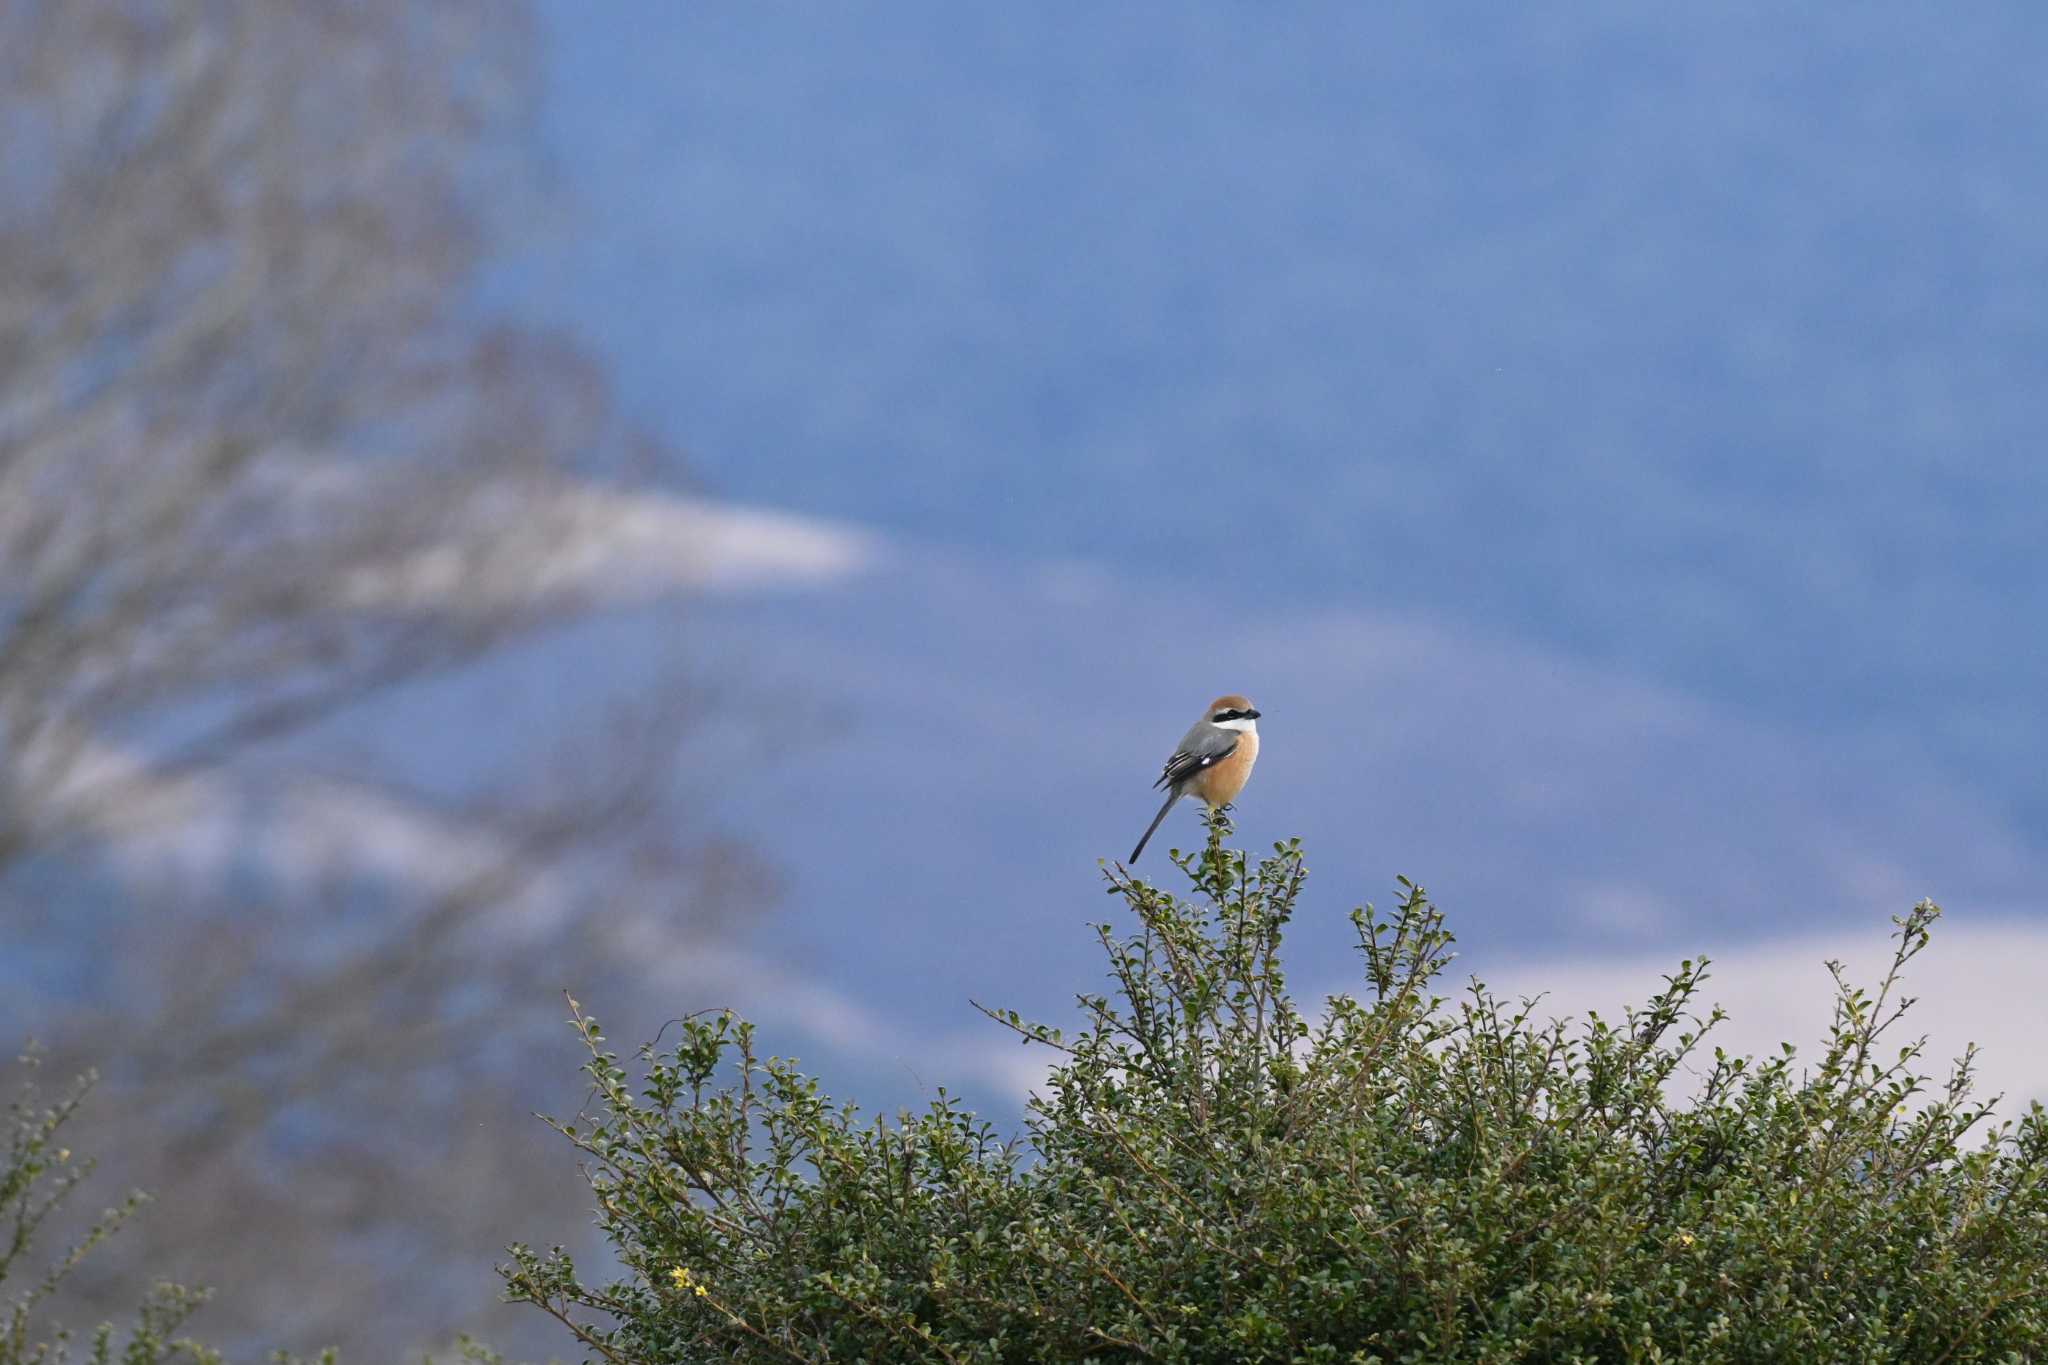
(1171, 797)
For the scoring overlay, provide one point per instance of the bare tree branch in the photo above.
(260, 462)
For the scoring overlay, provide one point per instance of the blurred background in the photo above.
(730, 506)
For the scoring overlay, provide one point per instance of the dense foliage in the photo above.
(1213, 1174)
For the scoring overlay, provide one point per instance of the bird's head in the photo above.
(1232, 712)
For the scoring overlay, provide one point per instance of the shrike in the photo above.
(1212, 760)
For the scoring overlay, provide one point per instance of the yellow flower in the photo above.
(1685, 1239)
(681, 1277)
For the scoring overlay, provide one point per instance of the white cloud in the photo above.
(507, 546)
(1979, 981)
(546, 539)
(1976, 983)
(206, 824)
(798, 1011)
(1619, 909)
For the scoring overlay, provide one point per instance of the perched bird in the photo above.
(1212, 760)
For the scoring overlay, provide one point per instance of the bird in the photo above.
(1212, 760)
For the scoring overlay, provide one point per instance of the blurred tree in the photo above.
(262, 458)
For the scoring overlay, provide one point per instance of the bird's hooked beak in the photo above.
(1252, 715)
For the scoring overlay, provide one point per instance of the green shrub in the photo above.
(37, 1175)
(1214, 1175)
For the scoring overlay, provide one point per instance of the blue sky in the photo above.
(936, 825)
(1605, 440)
(1704, 346)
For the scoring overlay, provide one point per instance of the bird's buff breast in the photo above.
(1219, 786)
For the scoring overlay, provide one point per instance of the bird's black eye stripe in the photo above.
(1233, 714)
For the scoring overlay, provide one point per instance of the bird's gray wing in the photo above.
(1201, 747)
